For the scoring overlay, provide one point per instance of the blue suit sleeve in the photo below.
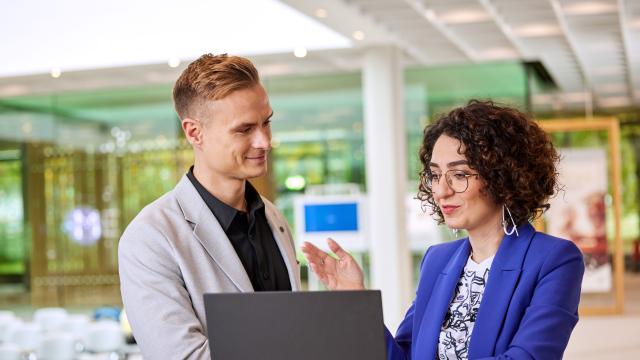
(553, 312)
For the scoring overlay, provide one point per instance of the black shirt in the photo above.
(251, 237)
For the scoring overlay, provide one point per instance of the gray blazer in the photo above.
(172, 253)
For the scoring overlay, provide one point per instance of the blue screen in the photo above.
(331, 217)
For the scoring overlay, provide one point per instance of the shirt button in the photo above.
(265, 275)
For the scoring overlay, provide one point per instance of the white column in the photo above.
(386, 172)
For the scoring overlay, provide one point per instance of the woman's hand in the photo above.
(342, 273)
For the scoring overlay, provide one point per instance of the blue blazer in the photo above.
(528, 309)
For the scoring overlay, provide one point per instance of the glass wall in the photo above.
(75, 168)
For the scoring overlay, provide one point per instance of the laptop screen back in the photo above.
(296, 325)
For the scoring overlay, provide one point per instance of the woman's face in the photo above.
(470, 210)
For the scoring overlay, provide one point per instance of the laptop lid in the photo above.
(296, 325)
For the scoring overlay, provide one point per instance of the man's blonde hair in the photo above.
(211, 77)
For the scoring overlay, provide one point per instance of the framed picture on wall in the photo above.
(587, 209)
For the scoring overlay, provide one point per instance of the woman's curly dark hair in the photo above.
(513, 155)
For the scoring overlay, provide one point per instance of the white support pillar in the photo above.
(386, 171)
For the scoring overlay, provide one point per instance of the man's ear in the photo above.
(192, 131)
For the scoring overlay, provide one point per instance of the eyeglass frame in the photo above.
(426, 179)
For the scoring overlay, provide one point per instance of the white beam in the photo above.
(626, 48)
(562, 21)
(430, 15)
(347, 18)
(504, 27)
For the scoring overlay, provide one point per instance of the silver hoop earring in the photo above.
(504, 222)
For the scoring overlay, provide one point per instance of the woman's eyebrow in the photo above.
(453, 163)
(459, 162)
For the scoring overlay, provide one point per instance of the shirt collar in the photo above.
(223, 212)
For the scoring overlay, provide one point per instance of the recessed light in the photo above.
(174, 62)
(590, 8)
(300, 52)
(537, 30)
(26, 128)
(56, 72)
(13, 90)
(499, 53)
(358, 35)
(464, 16)
(579, 96)
(614, 101)
(321, 13)
(612, 88)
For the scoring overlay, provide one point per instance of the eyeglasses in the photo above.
(458, 180)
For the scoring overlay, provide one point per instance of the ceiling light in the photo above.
(590, 8)
(26, 128)
(574, 97)
(56, 72)
(13, 90)
(300, 52)
(498, 53)
(295, 182)
(174, 62)
(358, 35)
(464, 16)
(321, 13)
(611, 88)
(614, 101)
(538, 30)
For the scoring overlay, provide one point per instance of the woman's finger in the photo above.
(336, 248)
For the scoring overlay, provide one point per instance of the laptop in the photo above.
(296, 325)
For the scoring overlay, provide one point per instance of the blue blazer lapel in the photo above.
(503, 278)
(441, 295)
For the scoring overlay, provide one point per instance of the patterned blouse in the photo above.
(458, 323)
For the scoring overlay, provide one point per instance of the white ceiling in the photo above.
(41, 35)
(590, 48)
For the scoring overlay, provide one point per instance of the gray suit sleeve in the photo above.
(156, 301)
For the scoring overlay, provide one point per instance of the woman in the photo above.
(505, 291)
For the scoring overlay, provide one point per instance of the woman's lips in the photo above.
(448, 209)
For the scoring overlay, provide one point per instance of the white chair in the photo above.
(6, 314)
(7, 329)
(50, 319)
(10, 352)
(57, 346)
(26, 335)
(103, 337)
(7, 319)
(77, 325)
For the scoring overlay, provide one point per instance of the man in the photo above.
(213, 232)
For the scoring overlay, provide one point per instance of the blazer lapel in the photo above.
(503, 278)
(284, 241)
(209, 233)
(441, 295)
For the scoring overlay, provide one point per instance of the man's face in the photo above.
(236, 134)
